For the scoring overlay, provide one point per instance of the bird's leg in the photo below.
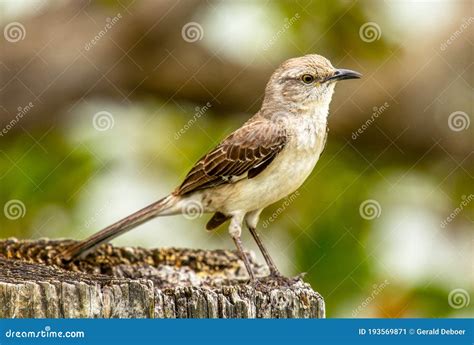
(274, 272)
(251, 219)
(243, 256)
(235, 230)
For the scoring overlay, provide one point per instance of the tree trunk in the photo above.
(142, 283)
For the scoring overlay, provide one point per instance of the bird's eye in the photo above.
(307, 78)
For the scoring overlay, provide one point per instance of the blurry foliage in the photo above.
(332, 249)
(338, 39)
(40, 170)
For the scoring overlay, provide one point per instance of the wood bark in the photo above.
(142, 283)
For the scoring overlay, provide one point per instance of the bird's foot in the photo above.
(274, 273)
(276, 279)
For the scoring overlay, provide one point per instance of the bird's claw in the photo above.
(276, 280)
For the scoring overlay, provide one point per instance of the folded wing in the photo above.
(243, 154)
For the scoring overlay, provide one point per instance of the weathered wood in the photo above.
(142, 283)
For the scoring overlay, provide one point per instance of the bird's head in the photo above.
(304, 82)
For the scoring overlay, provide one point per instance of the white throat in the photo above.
(310, 128)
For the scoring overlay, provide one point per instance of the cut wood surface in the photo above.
(128, 282)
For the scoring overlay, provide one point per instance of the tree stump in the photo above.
(131, 282)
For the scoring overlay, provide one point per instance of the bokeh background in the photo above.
(105, 105)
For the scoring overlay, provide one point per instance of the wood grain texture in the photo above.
(142, 283)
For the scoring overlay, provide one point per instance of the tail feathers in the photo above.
(165, 206)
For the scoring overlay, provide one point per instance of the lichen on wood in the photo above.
(131, 282)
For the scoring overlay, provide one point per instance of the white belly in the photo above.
(282, 177)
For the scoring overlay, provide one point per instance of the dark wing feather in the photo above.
(216, 220)
(248, 150)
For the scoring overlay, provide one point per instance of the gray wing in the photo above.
(243, 154)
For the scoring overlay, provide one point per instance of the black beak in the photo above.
(341, 74)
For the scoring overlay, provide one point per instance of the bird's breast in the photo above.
(287, 172)
(308, 135)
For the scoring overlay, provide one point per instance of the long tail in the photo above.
(165, 206)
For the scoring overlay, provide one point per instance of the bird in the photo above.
(266, 159)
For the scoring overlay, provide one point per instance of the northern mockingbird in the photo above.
(263, 161)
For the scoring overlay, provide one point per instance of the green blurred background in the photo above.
(105, 106)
